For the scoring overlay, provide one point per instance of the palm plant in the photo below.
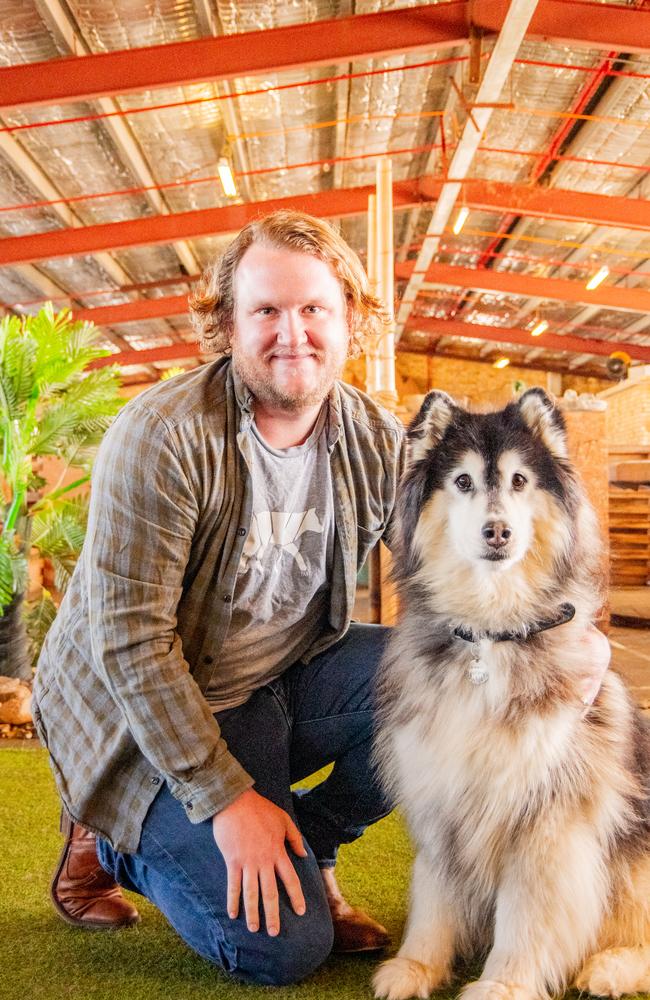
(49, 405)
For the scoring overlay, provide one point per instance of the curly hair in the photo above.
(212, 302)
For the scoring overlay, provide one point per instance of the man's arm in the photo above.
(142, 519)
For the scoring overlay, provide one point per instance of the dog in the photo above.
(529, 812)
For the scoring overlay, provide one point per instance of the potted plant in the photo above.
(50, 405)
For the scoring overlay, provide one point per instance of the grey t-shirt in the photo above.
(281, 598)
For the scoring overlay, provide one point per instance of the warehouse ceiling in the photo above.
(116, 114)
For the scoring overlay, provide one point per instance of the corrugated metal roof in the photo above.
(569, 117)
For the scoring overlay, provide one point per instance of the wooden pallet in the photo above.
(629, 536)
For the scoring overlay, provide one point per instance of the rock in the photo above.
(15, 705)
(8, 687)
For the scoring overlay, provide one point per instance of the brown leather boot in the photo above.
(82, 893)
(354, 929)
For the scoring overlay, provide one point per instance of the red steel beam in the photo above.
(548, 203)
(525, 285)
(145, 357)
(130, 312)
(227, 57)
(513, 335)
(575, 206)
(299, 46)
(445, 328)
(507, 282)
(189, 225)
(587, 24)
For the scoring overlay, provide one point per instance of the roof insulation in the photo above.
(570, 117)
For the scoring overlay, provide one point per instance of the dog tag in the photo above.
(477, 673)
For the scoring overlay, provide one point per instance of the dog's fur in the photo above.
(530, 813)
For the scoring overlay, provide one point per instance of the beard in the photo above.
(258, 375)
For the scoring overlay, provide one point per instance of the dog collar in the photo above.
(566, 612)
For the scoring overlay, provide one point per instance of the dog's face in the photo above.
(491, 503)
(488, 488)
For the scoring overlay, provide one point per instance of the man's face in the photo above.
(290, 332)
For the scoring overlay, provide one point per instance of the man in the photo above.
(203, 658)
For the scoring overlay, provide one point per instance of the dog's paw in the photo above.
(614, 972)
(492, 989)
(401, 978)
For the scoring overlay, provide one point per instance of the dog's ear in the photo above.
(545, 420)
(429, 426)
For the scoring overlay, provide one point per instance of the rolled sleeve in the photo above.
(142, 519)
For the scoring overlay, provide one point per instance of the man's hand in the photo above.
(251, 833)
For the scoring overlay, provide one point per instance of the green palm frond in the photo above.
(49, 405)
(13, 569)
(60, 527)
(63, 570)
(58, 533)
(85, 407)
(65, 348)
(38, 617)
(17, 361)
(18, 371)
(80, 448)
(57, 422)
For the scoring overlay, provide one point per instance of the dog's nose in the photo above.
(496, 533)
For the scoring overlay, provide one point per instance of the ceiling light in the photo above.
(226, 177)
(598, 278)
(501, 363)
(539, 328)
(461, 219)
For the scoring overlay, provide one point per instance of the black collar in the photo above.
(565, 613)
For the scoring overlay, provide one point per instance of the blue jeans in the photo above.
(314, 714)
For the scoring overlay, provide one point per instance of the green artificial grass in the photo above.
(42, 957)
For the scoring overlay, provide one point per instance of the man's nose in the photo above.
(291, 329)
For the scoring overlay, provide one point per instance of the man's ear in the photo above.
(545, 420)
(428, 427)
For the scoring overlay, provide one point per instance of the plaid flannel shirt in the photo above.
(118, 692)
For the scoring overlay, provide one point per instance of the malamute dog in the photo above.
(530, 813)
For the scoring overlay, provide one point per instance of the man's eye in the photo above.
(313, 310)
(518, 481)
(266, 310)
(464, 483)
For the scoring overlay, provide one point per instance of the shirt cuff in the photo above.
(208, 791)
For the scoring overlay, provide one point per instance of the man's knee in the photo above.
(301, 947)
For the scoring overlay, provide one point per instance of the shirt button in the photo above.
(189, 806)
(208, 659)
(241, 531)
(155, 781)
(227, 599)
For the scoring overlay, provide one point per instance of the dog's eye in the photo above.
(518, 481)
(464, 483)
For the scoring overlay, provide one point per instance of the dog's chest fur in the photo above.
(483, 774)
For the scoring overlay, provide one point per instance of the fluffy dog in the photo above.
(530, 814)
